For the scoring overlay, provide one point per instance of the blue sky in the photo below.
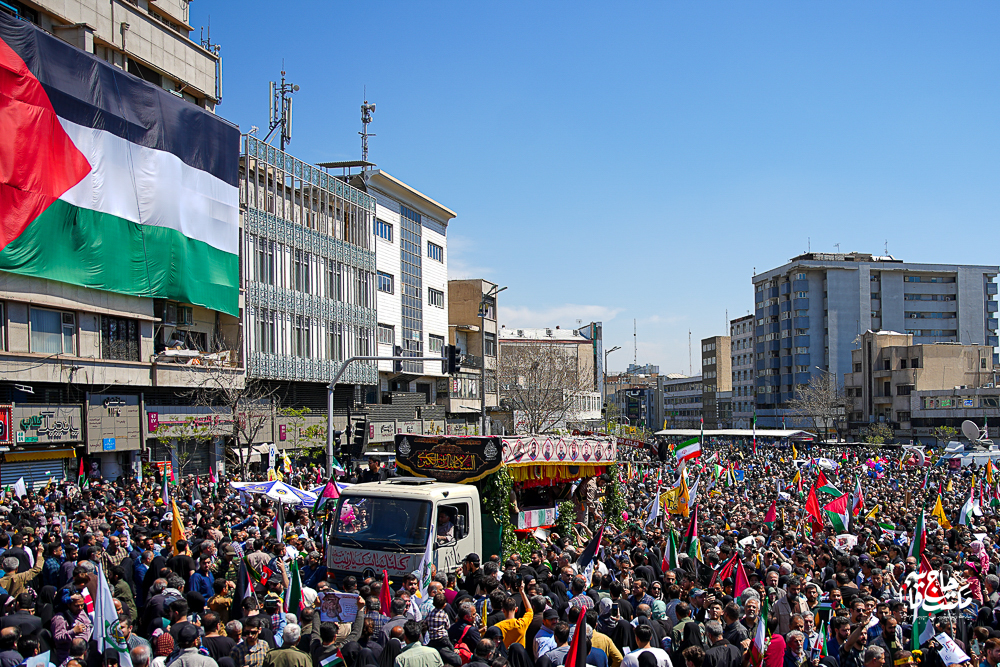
(637, 160)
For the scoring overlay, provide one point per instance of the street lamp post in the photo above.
(482, 339)
(604, 378)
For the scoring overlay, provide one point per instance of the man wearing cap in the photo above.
(544, 638)
(470, 575)
(189, 641)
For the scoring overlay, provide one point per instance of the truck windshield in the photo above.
(378, 522)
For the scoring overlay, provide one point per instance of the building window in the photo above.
(300, 271)
(383, 230)
(801, 295)
(333, 282)
(53, 332)
(362, 288)
(435, 344)
(435, 297)
(264, 266)
(435, 252)
(489, 307)
(334, 341)
(384, 282)
(266, 338)
(119, 338)
(386, 334)
(491, 344)
(300, 336)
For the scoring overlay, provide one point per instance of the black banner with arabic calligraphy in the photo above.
(448, 458)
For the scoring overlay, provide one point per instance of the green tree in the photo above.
(945, 434)
(876, 434)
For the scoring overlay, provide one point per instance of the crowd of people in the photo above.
(649, 590)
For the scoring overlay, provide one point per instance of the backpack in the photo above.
(462, 648)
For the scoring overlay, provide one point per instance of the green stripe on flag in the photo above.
(79, 246)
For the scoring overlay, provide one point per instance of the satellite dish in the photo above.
(970, 430)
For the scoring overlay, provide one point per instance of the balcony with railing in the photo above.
(470, 361)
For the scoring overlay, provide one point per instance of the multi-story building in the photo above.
(89, 367)
(564, 359)
(148, 38)
(472, 327)
(680, 396)
(645, 369)
(809, 312)
(716, 378)
(915, 387)
(741, 335)
(411, 282)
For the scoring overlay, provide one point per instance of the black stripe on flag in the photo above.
(90, 92)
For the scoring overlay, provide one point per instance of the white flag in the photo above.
(20, 490)
(423, 572)
(654, 510)
(106, 629)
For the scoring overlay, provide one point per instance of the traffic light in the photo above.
(397, 365)
(450, 359)
(336, 442)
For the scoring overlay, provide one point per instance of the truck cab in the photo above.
(386, 526)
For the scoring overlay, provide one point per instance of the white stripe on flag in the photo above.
(176, 195)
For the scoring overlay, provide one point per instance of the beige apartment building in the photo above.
(717, 381)
(148, 38)
(472, 327)
(915, 388)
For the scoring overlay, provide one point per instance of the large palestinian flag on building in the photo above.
(111, 182)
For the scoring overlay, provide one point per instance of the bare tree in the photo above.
(821, 401)
(542, 385)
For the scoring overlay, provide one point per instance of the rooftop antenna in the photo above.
(809, 244)
(366, 117)
(887, 247)
(837, 246)
(690, 367)
(635, 345)
(280, 109)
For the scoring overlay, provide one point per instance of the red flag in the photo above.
(385, 596)
(577, 654)
(812, 505)
(211, 477)
(723, 572)
(319, 477)
(821, 480)
(772, 514)
(740, 582)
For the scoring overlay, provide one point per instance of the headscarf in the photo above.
(494, 633)
(389, 653)
(518, 656)
(164, 644)
(44, 606)
(647, 659)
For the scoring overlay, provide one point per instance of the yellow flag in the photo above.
(670, 500)
(989, 472)
(949, 486)
(798, 476)
(938, 513)
(176, 527)
(795, 452)
(683, 498)
(873, 512)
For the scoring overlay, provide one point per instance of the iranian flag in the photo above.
(838, 513)
(690, 449)
(858, 498)
(759, 644)
(670, 560)
(111, 182)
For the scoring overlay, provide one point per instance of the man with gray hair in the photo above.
(288, 655)
(992, 589)
(874, 656)
(234, 630)
(719, 652)
(14, 581)
(141, 655)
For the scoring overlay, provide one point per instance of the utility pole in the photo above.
(366, 117)
(492, 292)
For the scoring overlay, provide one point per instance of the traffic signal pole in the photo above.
(449, 365)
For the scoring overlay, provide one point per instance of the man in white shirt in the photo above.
(643, 635)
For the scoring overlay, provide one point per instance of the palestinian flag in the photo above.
(968, 509)
(335, 659)
(326, 498)
(919, 538)
(772, 515)
(111, 182)
(824, 486)
(797, 481)
(838, 514)
(81, 478)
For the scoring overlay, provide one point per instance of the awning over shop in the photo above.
(40, 455)
(739, 433)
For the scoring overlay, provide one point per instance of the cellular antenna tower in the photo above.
(366, 117)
